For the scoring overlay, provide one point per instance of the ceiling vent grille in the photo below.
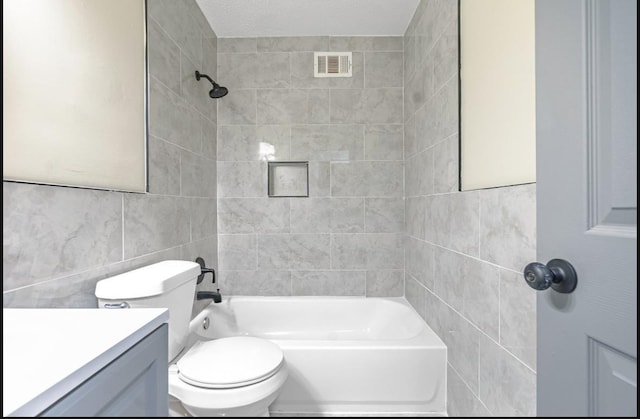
(332, 64)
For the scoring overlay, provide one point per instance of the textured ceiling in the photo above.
(260, 18)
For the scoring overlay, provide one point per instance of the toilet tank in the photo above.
(168, 284)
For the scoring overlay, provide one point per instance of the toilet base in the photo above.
(176, 409)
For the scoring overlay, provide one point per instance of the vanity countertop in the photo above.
(46, 353)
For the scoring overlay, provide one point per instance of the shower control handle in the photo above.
(557, 274)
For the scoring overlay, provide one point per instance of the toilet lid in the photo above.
(230, 362)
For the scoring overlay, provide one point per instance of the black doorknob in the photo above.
(557, 274)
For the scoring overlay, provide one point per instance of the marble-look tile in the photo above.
(237, 45)
(290, 106)
(274, 142)
(450, 277)
(274, 70)
(196, 175)
(508, 226)
(260, 282)
(384, 215)
(419, 261)
(419, 174)
(446, 176)
(367, 251)
(463, 345)
(153, 223)
(361, 106)
(461, 402)
(209, 139)
(237, 252)
(163, 56)
(417, 15)
(294, 251)
(253, 215)
(409, 56)
(302, 73)
(203, 217)
(436, 313)
(172, 119)
(518, 317)
(418, 88)
(338, 283)
(196, 91)
(382, 283)
(327, 142)
(242, 179)
(445, 55)
(368, 178)
(210, 66)
(425, 33)
(365, 43)
(470, 286)
(410, 141)
(178, 20)
(383, 142)
(447, 13)
(293, 43)
(78, 290)
(507, 387)
(319, 178)
(238, 70)
(238, 143)
(51, 231)
(318, 106)
(425, 133)
(415, 216)
(164, 167)
(452, 221)
(237, 108)
(253, 143)
(383, 69)
(444, 111)
(414, 292)
(327, 215)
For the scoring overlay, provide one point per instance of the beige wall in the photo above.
(497, 65)
(74, 93)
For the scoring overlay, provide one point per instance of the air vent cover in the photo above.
(332, 64)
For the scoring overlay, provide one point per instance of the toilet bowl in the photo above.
(234, 376)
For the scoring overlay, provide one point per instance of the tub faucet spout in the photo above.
(215, 296)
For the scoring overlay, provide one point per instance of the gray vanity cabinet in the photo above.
(133, 384)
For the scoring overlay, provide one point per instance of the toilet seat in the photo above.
(230, 362)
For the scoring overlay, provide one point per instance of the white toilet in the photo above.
(235, 376)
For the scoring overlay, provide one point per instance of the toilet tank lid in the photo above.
(148, 281)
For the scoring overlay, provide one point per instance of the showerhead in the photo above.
(218, 91)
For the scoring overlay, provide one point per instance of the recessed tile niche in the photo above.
(288, 179)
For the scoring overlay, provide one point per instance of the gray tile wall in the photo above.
(347, 237)
(58, 242)
(464, 251)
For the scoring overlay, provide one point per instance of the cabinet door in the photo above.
(134, 384)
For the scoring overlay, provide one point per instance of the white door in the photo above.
(586, 95)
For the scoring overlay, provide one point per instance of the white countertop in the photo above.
(48, 352)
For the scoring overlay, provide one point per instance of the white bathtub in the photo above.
(347, 356)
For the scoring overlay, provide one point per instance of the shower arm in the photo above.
(199, 75)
